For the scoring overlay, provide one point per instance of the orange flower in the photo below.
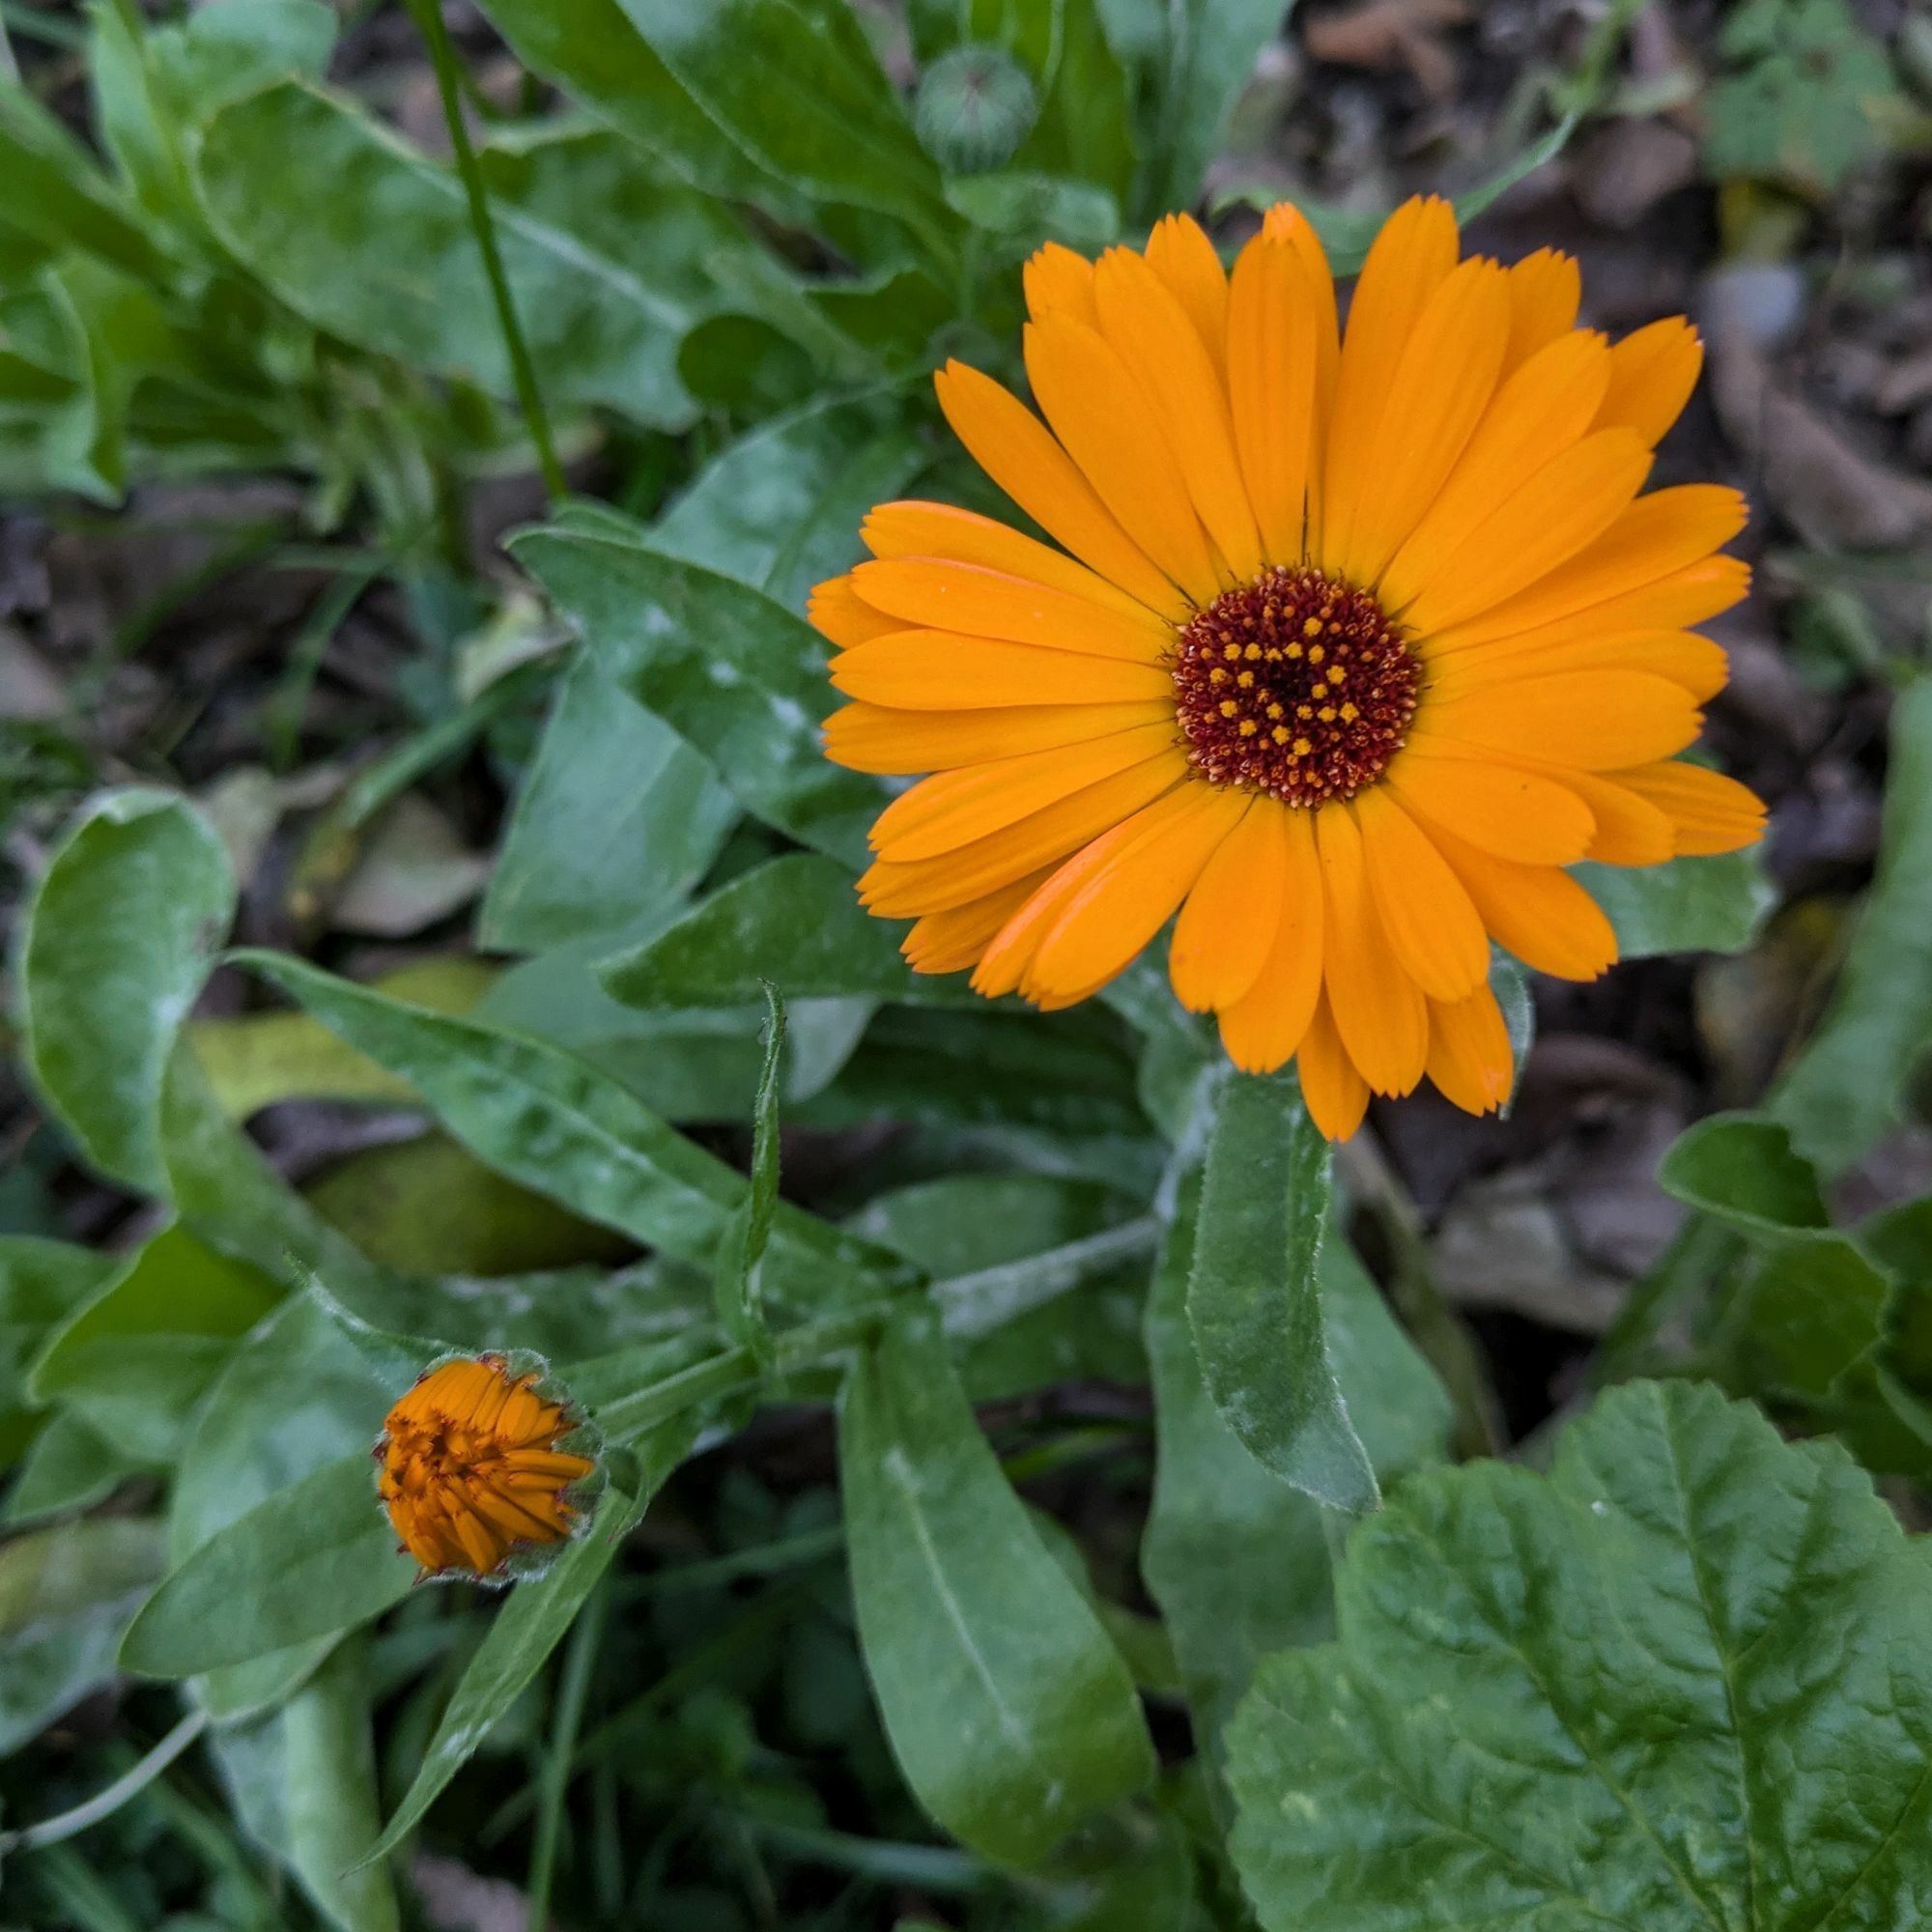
(1353, 644)
(470, 1466)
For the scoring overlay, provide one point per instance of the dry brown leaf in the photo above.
(1379, 33)
(1830, 491)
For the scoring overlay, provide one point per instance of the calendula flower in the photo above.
(471, 1470)
(1353, 644)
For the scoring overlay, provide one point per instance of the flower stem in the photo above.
(428, 16)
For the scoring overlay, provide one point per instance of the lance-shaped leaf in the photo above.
(1010, 1712)
(558, 1126)
(1843, 1091)
(532, 1624)
(316, 1557)
(794, 922)
(1253, 1299)
(728, 669)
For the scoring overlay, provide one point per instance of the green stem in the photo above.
(428, 16)
(110, 1799)
(573, 1687)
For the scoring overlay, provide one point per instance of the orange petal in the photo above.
(1378, 1009)
(1470, 1059)
(941, 813)
(1273, 352)
(1336, 1094)
(1594, 719)
(897, 889)
(1538, 913)
(1431, 924)
(1440, 387)
(1498, 807)
(950, 941)
(967, 597)
(1105, 423)
(1152, 332)
(1688, 596)
(837, 611)
(1652, 539)
(1708, 812)
(937, 670)
(1262, 1027)
(1545, 289)
(1683, 657)
(871, 738)
(1057, 278)
(1148, 866)
(1222, 938)
(1013, 448)
(1629, 831)
(1651, 374)
(1180, 252)
(1562, 509)
(1538, 414)
(1411, 257)
(910, 529)
(1285, 222)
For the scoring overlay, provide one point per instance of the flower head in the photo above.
(471, 1470)
(1353, 642)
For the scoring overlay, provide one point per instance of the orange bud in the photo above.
(470, 1466)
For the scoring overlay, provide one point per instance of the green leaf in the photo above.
(1012, 1714)
(796, 86)
(558, 1126)
(67, 1468)
(1843, 1091)
(386, 258)
(1687, 905)
(117, 942)
(1253, 1298)
(154, 86)
(297, 1395)
(740, 1287)
(698, 1063)
(135, 1360)
(66, 1596)
(616, 819)
(1813, 1310)
(314, 1558)
(1208, 55)
(780, 508)
(302, 1782)
(1741, 1168)
(1023, 208)
(227, 1192)
(1802, 102)
(1681, 1682)
(736, 676)
(591, 50)
(56, 195)
(1041, 1278)
(1237, 1560)
(530, 1625)
(794, 922)
(42, 1283)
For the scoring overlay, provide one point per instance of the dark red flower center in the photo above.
(1295, 685)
